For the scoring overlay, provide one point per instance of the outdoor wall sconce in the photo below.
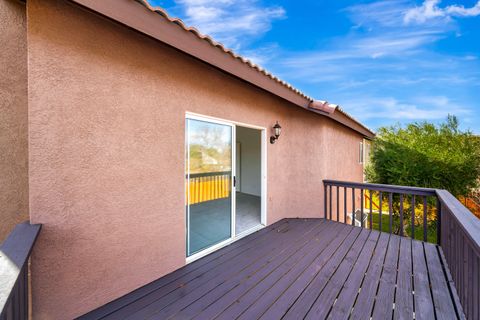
(277, 131)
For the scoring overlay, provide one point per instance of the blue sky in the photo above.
(384, 62)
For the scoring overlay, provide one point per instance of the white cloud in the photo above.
(430, 10)
(419, 108)
(233, 23)
(461, 11)
(386, 13)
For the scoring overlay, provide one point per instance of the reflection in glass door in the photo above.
(208, 184)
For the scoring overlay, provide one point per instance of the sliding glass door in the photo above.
(208, 183)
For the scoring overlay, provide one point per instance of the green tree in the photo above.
(423, 154)
(426, 155)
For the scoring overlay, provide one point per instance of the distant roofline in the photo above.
(140, 16)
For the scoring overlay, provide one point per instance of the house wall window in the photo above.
(360, 153)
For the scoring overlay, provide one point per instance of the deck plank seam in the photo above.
(380, 277)
(324, 260)
(306, 267)
(197, 277)
(279, 246)
(306, 240)
(336, 270)
(429, 281)
(353, 268)
(280, 278)
(364, 276)
(222, 252)
(342, 256)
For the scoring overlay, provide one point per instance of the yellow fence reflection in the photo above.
(203, 187)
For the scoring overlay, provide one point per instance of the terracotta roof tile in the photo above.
(322, 106)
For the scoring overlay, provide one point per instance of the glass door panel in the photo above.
(208, 184)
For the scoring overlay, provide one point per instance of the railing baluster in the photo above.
(325, 186)
(424, 218)
(361, 207)
(353, 206)
(344, 204)
(380, 197)
(330, 197)
(338, 205)
(401, 214)
(439, 219)
(371, 209)
(390, 212)
(413, 217)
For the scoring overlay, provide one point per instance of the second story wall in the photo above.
(13, 116)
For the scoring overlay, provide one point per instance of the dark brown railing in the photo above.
(394, 209)
(457, 230)
(460, 242)
(14, 254)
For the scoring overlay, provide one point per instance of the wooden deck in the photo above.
(301, 269)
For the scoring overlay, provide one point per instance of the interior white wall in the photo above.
(250, 159)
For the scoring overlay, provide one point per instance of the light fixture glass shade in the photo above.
(278, 129)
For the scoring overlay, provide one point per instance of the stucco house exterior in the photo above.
(102, 103)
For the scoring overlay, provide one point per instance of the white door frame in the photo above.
(233, 236)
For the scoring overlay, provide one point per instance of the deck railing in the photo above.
(460, 242)
(14, 285)
(456, 229)
(208, 186)
(406, 211)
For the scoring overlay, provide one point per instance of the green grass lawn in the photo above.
(431, 230)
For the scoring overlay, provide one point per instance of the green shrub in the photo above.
(426, 155)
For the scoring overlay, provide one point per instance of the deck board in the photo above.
(347, 296)
(366, 298)
(403, 295)
(422, 297)
(301, 268)
(385, 298)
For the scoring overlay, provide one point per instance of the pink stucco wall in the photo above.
(13, 116)
(106, 119)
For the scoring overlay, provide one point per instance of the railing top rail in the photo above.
(14, 253)
(208, 174)
(467, 221)
(383, 187)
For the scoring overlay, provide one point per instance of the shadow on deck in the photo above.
(301, 268)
